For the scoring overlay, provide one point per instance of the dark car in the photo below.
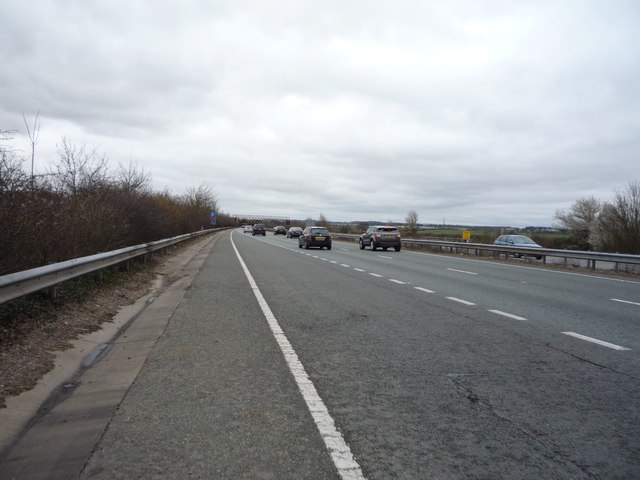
(382, 236)
(279, 230)
(294, 232)
(315, 237)
(518, 241)
(258, 229)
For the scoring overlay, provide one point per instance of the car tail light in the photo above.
(398, 235)
(378, 235)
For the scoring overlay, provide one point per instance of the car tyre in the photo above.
(306, 246)
(361, 244)
(397, 248)
(373, 245)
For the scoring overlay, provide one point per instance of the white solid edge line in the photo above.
(595, 340)
(459, 300)
(508, 315)
(347, 467)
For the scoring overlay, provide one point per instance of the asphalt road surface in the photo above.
(282, 362)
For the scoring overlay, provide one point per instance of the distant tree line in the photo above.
(81, 206)
(612, 226)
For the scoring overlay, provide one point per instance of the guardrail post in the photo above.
(52, 292)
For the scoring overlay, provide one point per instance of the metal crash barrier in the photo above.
(18, 284)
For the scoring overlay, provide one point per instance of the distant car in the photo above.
(294, 232)
(279, 230)
(517, 241)
(247, 229)
(258, 229)
(382, 236)
(315, 237)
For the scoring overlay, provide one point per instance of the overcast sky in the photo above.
(468, 112)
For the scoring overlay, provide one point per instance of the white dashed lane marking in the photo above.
(508, 315)
(624, 301)
(425, 290)
(466, 302)
(596, 341)
(461, 271)
(459, 300)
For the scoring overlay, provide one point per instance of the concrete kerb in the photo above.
(26, 408)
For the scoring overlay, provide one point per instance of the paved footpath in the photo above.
(196, 387)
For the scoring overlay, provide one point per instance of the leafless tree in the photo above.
(412, 221)
(130, 178)
(579, 221)
(6, 152)
(79, 167)
(202, 196)
(200, 202)
(618, 226)
(34, 134)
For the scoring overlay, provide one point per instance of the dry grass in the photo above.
(32, 329)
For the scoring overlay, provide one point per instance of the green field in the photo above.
(488, 235)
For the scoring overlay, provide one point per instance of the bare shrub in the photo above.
(80, 207)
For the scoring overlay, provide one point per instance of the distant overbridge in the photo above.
(246, 218)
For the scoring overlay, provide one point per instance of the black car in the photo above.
(258, 229)
(315, 237)
(294, 232)
(382, 236)
(279, 230)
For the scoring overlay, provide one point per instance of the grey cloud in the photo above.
(477, 111)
